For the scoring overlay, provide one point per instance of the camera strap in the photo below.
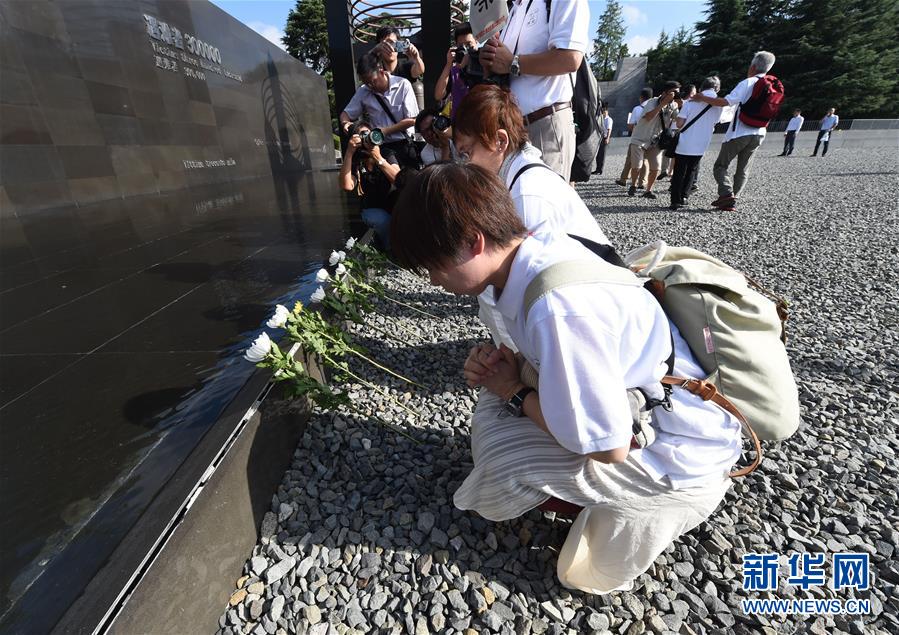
(694, 119)
(526, 10)
(387, 110)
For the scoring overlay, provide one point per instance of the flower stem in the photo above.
(376, 364)
(368, 384)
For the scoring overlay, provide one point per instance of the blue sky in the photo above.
(645, 19)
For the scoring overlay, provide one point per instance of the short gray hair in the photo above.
(711, 82)
(763, 61)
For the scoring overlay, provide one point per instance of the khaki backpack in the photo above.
(735, 332)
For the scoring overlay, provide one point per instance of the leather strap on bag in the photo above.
(708, 392)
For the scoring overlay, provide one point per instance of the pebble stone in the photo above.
(362, 535)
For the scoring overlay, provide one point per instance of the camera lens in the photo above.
(460, 54)
(441, 123)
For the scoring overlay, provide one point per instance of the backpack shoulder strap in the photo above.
(572, 272)
(525, 168)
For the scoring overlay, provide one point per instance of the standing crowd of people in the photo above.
(475, 192)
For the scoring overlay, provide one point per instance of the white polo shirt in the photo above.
(636, 113)
(546, 204)
(606, 125)
(400, 99)
(567, 28)
(695, 140)
(795, 124)
(592, 342)
(739, 95)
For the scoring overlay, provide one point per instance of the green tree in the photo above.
(306, 38)
(607, 45)
(845, 54)
(306, 35)
(839, 53)
(724, 41)
(459, 11)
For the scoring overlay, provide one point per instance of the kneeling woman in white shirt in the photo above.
(590, 343)
(489, 130)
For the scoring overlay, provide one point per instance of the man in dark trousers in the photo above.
(828, 124)
(605, 125)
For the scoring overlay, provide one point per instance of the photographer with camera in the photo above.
(388, 102)
(371, 172)
(540, 46)
(436, 129)
(658, 113)
(391, 46)
(451, 84)
(402, 59)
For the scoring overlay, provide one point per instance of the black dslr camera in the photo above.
(370, 138)
(473, 74)
(441, 123)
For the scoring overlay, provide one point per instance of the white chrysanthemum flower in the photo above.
(350, 242)
(279, 319)
(342, 255)
(340, 270)
(260, 348)
(322, 275)
(334, 258)
(318, 295)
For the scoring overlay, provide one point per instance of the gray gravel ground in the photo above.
(362, 536)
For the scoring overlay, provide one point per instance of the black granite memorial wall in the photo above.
(110, 99)
(163, 184)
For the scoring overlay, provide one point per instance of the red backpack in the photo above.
(763, 104)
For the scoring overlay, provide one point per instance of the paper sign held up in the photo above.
(487, 18)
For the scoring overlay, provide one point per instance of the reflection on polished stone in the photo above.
(161, 188)
(121, 330)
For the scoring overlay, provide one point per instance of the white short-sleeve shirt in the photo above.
(567, 28)
(739, 95)
(695, 140)
(829, 122)
(400, 98)
(636, 113)
(795, 124)
(590, 342)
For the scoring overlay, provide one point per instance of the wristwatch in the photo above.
(514, 406)
(381, 161)
(515, 67)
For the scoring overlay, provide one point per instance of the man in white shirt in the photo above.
(793, 129)
(827, 126)
(696, 121)
(605, 126)
(389, 103)
(636, 114)
(438, 143)
(541, 45)
(741, 140)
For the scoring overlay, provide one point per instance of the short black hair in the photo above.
(384, 31)
(645, 94)
(670, 85)
(423, 114)
(462, 29)
(368, 64)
